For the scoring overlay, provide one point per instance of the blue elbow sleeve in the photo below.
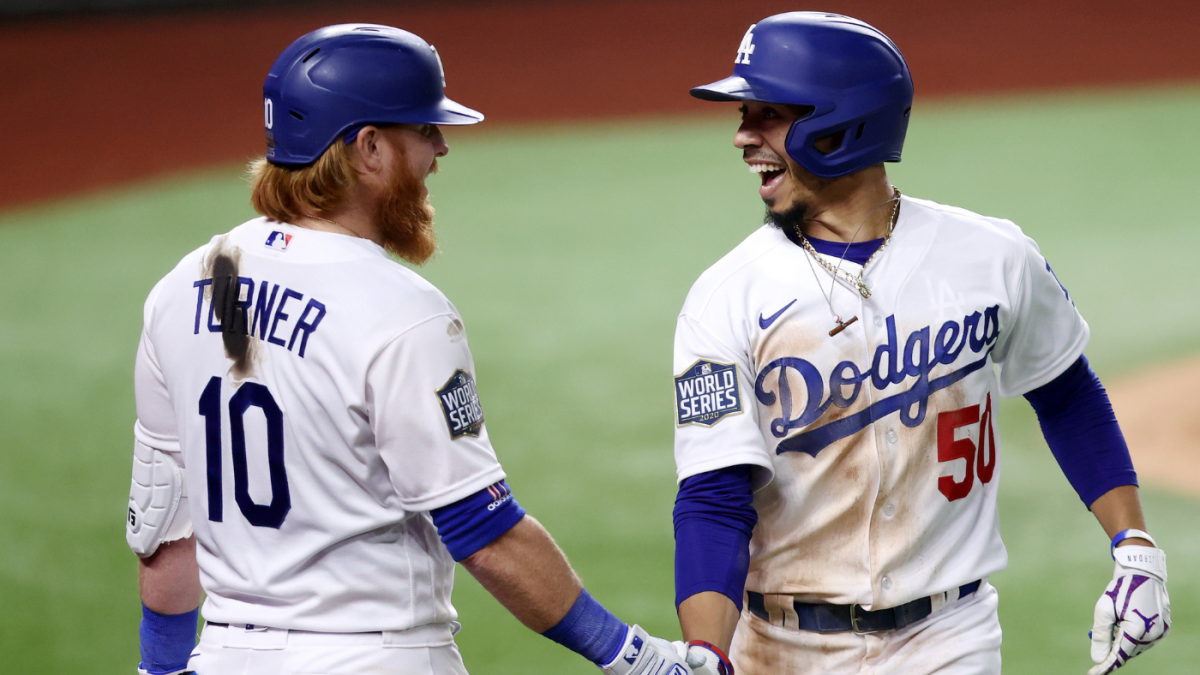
(1081, 429)
(714, 519)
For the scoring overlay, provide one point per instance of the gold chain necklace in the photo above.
(339, 225)
(855, 280)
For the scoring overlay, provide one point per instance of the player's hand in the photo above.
(645, 655)
(1134, 613)
(705, 658)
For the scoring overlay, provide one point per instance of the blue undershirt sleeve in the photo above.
(472, 523)
(1081, 429)
(714, 518)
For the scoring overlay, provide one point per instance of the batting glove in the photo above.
(705, 658)
(645, 655)
(1134, 613)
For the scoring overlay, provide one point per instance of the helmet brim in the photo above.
(732, 88)
(447, 113)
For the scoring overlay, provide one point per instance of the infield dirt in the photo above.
(1160, 414)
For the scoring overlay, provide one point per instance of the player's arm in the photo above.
(430, 431)
(518, 562)
(169, 579)
(714, 519)
(1081, 429)
(158, 529)
(525, 571)
(719, 458)
(158, 525)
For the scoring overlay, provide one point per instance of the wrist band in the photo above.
(1129, 534)
(167, 640)
(590, 630)
(725, 666)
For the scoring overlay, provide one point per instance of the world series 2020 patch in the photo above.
(706, 393)
(460, 405)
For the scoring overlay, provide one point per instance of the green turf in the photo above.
(568, 251)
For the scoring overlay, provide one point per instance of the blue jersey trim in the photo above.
(472, 523)
(714, 518)
(858, 252)
(167, 640)
(1082, 431)
(590, 630)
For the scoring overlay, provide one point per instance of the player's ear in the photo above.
(368, 150)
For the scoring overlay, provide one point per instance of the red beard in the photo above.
(404, 217)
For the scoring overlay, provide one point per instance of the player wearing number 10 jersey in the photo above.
(310, 445)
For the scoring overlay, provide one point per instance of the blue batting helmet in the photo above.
(340, 77)
(852, 75)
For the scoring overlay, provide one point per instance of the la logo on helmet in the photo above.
(746, 48)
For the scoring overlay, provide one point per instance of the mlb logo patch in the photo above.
(460, 405)
(278, 241)
(706, 393)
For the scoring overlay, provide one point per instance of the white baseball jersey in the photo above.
(310, 473)
(878, 449)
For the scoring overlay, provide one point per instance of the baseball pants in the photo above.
(238, 650)
(961, 639)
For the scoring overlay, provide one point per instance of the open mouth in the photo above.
(771, 175)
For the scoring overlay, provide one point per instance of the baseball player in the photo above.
(311, 453)
(837, 384)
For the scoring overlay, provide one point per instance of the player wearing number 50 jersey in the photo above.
(837, 381)
(311, 451)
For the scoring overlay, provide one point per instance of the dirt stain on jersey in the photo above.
(222, 266)
(758, 649)
(908, 480)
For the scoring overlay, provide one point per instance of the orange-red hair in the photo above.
(286, 194)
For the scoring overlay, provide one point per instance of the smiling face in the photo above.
(762, 138)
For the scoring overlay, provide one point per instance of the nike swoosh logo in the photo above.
(766, 323)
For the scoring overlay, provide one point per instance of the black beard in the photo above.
(789, 220)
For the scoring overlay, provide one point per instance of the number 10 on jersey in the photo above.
(248, 394)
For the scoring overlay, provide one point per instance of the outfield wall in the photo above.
(98, 100)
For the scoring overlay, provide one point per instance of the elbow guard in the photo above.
(158, 510)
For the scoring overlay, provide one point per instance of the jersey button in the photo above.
(886, 583)
(892, 437)
(878, 320)
(889, 510)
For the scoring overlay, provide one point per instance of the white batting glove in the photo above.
(1134, 613)
(645, 655)
(705, 658)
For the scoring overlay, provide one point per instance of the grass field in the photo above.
(568, 251)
